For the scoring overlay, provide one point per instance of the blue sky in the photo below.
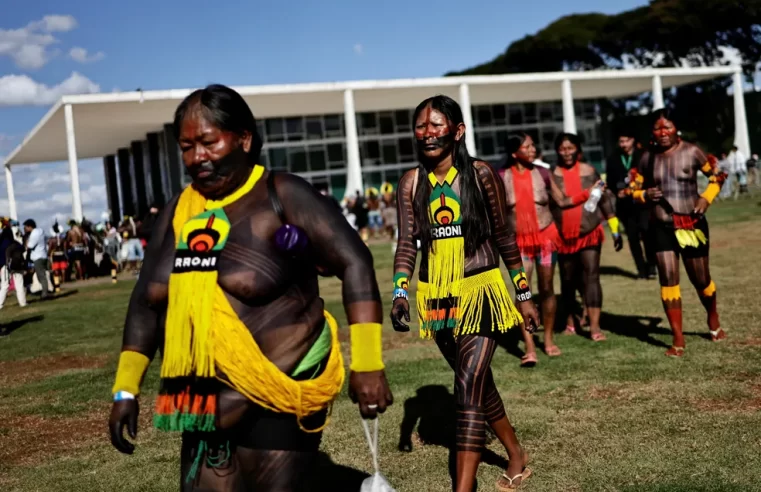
(102, 46)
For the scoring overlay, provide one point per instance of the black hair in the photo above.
(571, 137)
(30, 223)
(512, 145)
(474, 218)
(664, 113)
(225, 109)
(626, 132)
(6, 233)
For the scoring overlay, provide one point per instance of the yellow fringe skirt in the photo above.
(464, 314)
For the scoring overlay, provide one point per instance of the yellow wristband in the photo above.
(613, 224)
(711, 192)
(366, 347)
(129, 374)
(639, 195)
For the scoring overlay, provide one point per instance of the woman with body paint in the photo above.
(455, 206)
(670, 170)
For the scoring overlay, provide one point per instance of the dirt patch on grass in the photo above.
(748, 404)
(29, 439)
(18, 372)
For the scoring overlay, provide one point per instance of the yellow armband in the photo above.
(366, 349)
(129, 374)
(639, 196)
(712, 190)
(614, 225)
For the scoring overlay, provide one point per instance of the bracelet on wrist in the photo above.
(520, 282)
(123, 395)
(400, 293)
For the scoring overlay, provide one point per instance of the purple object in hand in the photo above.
(290, 239)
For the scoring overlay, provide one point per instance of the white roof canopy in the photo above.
(108, 121)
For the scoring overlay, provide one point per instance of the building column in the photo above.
(657, 93)
(569, 115)
(353, 166)
(71, 145)
(467, 117)
(112, 188)
(125, 180)
(11, 195)
(174, 166)
(138, 172)
(154, 169)
(742, 139)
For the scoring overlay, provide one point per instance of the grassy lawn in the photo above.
(611, 416)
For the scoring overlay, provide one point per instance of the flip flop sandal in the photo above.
(528, 360)
(523, 476)
(569, 330)
(553, 351)
(675, 352)
(718, 335)
(598, 337)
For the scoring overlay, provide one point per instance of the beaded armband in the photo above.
(520, 282)
(401, 286)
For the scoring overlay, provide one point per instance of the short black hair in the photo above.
(30, 223)
(226, 109)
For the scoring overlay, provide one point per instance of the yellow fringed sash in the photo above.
(446, 258)
(204, 333)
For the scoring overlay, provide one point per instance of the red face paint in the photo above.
(433, 134)
(665, 133)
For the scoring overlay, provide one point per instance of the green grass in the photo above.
(611, 416)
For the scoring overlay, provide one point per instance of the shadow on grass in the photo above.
(432, 410)
(615, 271)
(641, 328)
(8, 328)
(330, 476)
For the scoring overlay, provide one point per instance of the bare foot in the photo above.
(515, 475)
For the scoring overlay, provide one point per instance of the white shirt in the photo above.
(36, 244)
(737, 162)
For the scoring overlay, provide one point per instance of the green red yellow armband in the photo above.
(366, 347)
(520, 282)
(130, 372)
(614, 225)
(401, 286)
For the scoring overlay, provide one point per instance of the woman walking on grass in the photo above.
(454, 205)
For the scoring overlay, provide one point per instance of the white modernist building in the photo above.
(342, 135)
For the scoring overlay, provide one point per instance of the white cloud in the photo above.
(358, 49)
(30, 47)
(54, 23)
(81, 55)
(22, 90)
(43, 191)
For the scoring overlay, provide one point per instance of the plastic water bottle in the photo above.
(594, 197)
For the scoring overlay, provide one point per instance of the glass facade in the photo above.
(314, 147)
(543, 121)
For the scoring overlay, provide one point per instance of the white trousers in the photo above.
(5, 283)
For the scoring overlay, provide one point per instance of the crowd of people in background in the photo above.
(36, 262)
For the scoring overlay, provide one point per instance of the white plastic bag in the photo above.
(377, 482)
